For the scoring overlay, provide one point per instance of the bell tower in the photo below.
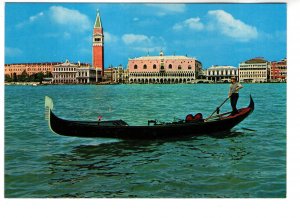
(98, 45)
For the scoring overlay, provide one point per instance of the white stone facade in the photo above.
(254, 70)
(68, 73)
(64, 73)
(87, 75)
(221, 73)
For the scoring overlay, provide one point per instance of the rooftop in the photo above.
(256, 60)
(37, 63)
(67, 63)
(221, 67)
(162, 56)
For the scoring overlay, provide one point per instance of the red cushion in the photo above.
(189, 117)
(198, 116)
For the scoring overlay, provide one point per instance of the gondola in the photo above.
(154, 130)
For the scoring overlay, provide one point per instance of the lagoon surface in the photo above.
(248, 162)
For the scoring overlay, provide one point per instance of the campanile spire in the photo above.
(98, 23)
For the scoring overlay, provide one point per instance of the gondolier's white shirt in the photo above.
(234, 88)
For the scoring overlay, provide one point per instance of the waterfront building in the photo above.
(125, 76)
(221, 73)
(98, 45)
(279, 71)
(86, 74)
(114, 74)
(254, 70)
(64, 73)
(119, 74)
(163, 69)
(108, 74)
(30, 68)
(71, 73)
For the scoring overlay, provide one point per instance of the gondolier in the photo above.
(234, 94)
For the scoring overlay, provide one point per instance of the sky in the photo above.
(214, 34)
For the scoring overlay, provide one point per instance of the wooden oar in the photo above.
(217, 109)
(219, 115)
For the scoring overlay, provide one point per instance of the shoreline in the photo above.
(109, 83)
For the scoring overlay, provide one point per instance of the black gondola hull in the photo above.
(122, 131)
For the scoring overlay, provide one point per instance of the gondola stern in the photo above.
(49, 102)
(251, 104)
(48, 107)
(48, 111)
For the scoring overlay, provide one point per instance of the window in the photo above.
(179, 67)
(154, 66)
(189, 67)
(145, 66)
(170, 66)
(135, 66)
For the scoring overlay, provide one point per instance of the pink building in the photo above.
(279, 70)
(30, 68)
(163, 69)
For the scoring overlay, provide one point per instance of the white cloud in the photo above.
(66, 35)
(164, 9)
(31, 19)
(191, 23)
(35, 17)
(147, 49)
(144, 43)
(229, 26)
(133, 38)
(110, 38)
(70, 18)
(12, 52)
(88, 39)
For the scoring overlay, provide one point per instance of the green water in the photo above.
(250, 161)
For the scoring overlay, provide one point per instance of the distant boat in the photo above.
(154, 130)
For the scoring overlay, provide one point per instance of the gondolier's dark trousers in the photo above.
(233, 100)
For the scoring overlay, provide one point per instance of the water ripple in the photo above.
(248, 161)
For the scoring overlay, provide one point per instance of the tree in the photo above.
(48, 74)
(39, 77)
(8, 78)
(23, 77)
(15, 78)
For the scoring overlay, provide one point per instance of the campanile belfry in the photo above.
(98, 45)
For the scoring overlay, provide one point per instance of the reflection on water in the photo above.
(123, 163)
(118, 149)
(226, 134)
(105, 160)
